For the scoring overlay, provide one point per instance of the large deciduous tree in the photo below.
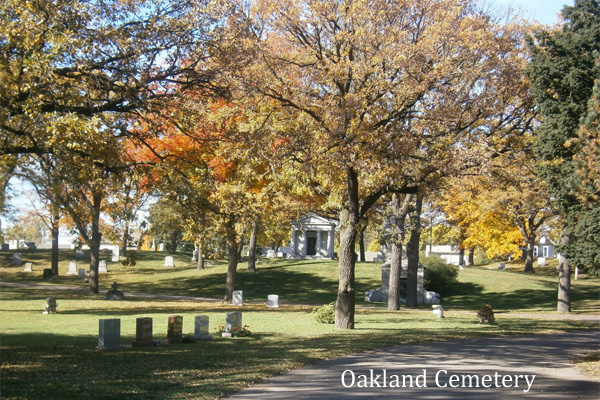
(377, 94)
(564, 66)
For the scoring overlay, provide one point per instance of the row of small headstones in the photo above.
(109, 337)
(83, 273)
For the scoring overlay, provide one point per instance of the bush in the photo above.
(130, 258)
(439, 276)
(325, 314)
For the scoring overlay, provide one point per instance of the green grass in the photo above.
(54, 356)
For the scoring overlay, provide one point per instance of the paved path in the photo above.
(542, 363)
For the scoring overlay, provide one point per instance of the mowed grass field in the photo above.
(54, 356)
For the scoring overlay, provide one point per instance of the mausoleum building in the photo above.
(313, 236)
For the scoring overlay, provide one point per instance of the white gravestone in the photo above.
(438, 310)
(237, 298)
(102, 266)
(16, 259)
(201, 328)
(169, 261)
(233, 323)
(72, 268)
(27, 268)
(115, 254)
(271, 253)
(109, 337)
(273, 300)
(161, 247)
(541, 261)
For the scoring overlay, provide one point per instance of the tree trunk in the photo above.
(361, 243)
(564, 276)
(94, 243)
(252, 246)
(125, 240)
(200, 249)
(232, 249)
(461, 256)
(54, 259)
(412, 252)
(471, 256)
(349, 219)
(399, 212)
(174, 241)
(530, 244)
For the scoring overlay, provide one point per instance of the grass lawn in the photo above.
(54, 356)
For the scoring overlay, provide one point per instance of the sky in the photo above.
(543, 11)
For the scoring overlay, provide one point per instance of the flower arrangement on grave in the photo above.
(241, 332)
(236, 332)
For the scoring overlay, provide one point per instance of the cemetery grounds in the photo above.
(54, 356)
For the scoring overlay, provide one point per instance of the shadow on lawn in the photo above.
(36, 365)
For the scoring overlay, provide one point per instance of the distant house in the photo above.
(313, 236)
(451, 254)
(543, 249)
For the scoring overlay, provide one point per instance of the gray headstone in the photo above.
(501, 266)
(109, 337)
(169, 261)
(47, 274)
(201, 328)
(233, 323)
(81, 273)
(16, 259)
(385, 282)
(72, 268)
(273, 300)
(79, 253)
(237, 298)
(50, 306)
(28, 267)
(102, 266)
(175, 329)
(5, 247)
(143, 332)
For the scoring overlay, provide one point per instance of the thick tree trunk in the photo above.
(200, 250)
(361, 244)
(349, 219)
(125, 239)
(94, 243)
(232, 263)
(399, 211)
(564, 276)
(461, 257)
(412, 252)
(252, 246)
(529, 246)
(174, 241)
(54, 259)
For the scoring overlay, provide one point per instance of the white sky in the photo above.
(543, 11)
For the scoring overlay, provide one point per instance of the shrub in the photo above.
(325, 314)
(130, 258)
(439, 276)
